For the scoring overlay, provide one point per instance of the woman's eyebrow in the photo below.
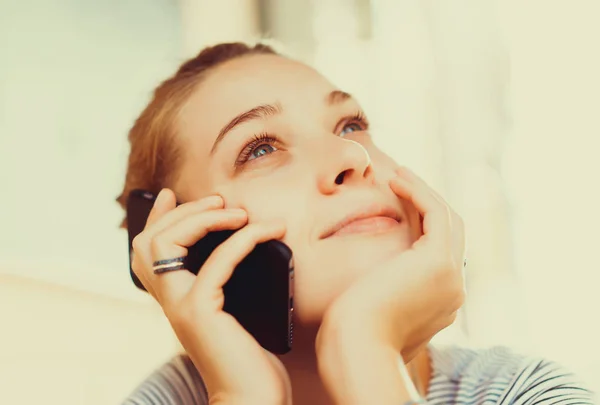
(259, 112)
(337, 97)
(269, 110)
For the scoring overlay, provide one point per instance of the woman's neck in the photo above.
(301, 366)
(307, 388)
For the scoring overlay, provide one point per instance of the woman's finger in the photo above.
(158, 224)
(171, 243)
(191, 229)
(163, 215)
(429, 202)
(141, 253)
(408, 174)
(436, 221)
(137, 265)
(165, 202)
(456, 223)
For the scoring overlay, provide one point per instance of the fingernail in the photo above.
(160, 197)
(215, 200)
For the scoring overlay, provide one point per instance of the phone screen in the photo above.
(259, 294)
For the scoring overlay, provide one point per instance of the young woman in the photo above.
(251, 140)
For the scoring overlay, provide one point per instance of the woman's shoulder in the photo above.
(502, 376)
(176, 382)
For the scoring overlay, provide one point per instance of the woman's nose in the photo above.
(344, 162)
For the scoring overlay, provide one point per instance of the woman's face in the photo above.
(274, 137)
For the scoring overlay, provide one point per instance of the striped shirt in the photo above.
(459, 376)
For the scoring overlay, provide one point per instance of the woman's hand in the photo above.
(234, 367)
(397, 308)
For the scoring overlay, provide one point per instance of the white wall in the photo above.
(73, 76)
(552, 172)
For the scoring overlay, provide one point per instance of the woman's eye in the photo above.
(352, 127)
(259, 146)
(261, 150)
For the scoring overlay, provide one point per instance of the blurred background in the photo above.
(496, 103)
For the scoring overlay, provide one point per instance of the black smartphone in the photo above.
(259, 294)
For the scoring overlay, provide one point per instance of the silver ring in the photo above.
(164, 266)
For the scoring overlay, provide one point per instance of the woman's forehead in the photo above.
(247, 82)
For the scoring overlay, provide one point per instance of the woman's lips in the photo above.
(370, 225)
